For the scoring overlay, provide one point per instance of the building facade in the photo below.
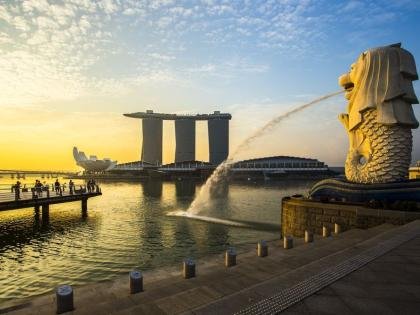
(185, 130)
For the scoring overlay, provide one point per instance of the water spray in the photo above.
(221, 172)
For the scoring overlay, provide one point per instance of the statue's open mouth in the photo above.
(345, 81)
(349, 86)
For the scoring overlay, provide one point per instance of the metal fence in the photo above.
(45, 192)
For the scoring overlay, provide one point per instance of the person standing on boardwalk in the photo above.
(93, 185)
(57, 186)
(17, 190)
(71, 187)
(89, 186)
(38, 188)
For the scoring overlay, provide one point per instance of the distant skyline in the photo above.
(70, 69)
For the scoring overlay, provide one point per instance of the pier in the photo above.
(43, 200)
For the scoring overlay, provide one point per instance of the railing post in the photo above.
(262, 249)
(325, 231)
(230, 257)
(188, 270)
(136, 282)
(64, 297)
(309, 237)
(84, 205)
(337, 228)
(288, 242)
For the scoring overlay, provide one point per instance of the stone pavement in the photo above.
(385, 283)
(388, 285)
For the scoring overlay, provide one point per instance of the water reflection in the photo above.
(127, 227)
(185, 188)
(21, 227)
(152, 188)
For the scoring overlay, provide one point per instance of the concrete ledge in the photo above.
(300, 214)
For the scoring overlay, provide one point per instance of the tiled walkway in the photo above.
(387, 285)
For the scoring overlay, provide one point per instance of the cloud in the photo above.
(129, 11)
(42, 6)
(156, 4)
(164, 22)
(229, 69)
(75, 45)
(161, 57)
(5, 38)
(109, 6)
(5, 15)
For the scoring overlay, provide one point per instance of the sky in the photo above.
(69, 69)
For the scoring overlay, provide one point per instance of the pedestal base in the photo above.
(342, 190)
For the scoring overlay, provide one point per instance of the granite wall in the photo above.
(299, 214)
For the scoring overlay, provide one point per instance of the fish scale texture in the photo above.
(390, 153)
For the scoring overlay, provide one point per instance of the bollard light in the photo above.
(136, 281)
(230, 257)
(64, 294)
(337, 228)
(188, 268)
(262, 249)
(288, 242)
(325, 231)
(309, 237)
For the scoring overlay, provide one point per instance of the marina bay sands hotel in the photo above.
(152, 125)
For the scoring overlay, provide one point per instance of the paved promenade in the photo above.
(388, 285)
(386, 281)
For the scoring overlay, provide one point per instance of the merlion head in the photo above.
(381, 79)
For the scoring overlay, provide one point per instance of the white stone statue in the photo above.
(379, 115)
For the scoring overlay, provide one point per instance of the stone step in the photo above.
(268, 290)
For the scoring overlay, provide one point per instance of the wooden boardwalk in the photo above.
(12, 201)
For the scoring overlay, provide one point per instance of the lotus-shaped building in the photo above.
(92, 164)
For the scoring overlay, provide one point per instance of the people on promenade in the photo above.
(17, 190)
(38, 188)
(91, 186)
(57, 187)
(71, 187)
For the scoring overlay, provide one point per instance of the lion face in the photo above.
(381, 79)
(349, 80)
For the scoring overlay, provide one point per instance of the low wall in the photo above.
(300, 214)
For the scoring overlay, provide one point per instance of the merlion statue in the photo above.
(379, 115)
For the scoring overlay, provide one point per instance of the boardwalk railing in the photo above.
(45, 192)
(27, 197)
